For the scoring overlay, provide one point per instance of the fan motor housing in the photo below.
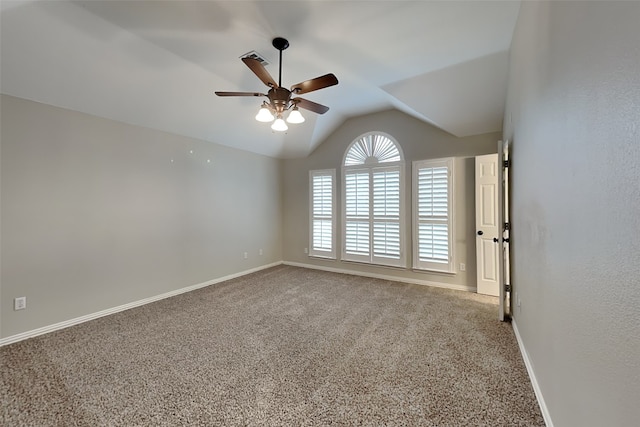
(279, 98)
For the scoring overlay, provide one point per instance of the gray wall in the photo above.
(573, 113)
(95, 214)
(419, 141)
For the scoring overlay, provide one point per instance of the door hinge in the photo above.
(506, 163)
(507, 287)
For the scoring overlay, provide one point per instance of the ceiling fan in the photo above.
(280, 98)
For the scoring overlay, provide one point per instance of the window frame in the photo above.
(424, 265)
(370, 167)
(313, 252)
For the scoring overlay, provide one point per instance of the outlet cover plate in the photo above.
(20, 303)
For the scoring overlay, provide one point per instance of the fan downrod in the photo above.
(280, 43)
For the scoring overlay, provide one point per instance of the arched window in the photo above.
(372, 148)
(373, 194)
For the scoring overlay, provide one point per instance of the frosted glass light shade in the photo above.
(264, 115)
(279, 125)
(295, 116)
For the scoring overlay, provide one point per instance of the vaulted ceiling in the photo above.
(157, 63)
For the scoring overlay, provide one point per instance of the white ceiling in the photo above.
(157, 63)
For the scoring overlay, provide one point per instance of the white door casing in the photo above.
(503, 221)
(487, 226)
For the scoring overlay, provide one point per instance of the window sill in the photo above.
(440, 272)
(330, 258)
(369, 264)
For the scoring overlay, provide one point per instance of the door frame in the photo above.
(504, 223)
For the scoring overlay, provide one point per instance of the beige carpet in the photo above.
(282, 347)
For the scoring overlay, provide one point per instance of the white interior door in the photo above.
(487, 226)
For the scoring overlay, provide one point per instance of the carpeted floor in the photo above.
(285, 346)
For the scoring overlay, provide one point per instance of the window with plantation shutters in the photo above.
(322, 209)
(373, 226)
(432, 222)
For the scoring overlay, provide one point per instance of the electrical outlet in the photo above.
(20, 303)
(463, 267)
(306, 250)
(260, 252)
(245, 255)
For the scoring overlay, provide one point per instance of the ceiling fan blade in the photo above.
(259, 70)
(310, 105)
(240, 94)
(315, 84)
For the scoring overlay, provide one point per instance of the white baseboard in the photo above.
(71, 322)
(383, 276)
(532, 376)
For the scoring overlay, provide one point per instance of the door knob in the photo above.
(495, 239)
(480, 233)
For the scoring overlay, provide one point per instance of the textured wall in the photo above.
(419, 141)
(95, 214)
(573, 113)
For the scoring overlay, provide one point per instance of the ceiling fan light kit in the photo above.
(264, 115)
(280, 98)
(279, 124)
(295, 116)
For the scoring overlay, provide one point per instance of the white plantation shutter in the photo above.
(373, 201)
(322, 196)
(386, 213)
(357, 230)
(433, 215)
(357, 194)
